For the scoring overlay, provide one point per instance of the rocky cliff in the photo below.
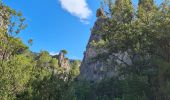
(92, 68)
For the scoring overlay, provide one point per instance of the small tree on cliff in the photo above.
(64, 52)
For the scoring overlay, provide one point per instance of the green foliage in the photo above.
(15, 74)
(122, 11)
(84, 90)
(15, 67)
(75, 71)
(145, 39)
(64, 51)
(143, 35)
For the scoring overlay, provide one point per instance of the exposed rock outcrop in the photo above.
(63, 62)
(96, 70)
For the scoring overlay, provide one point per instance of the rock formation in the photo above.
(96, 70)
(100, 13)
(4, 16)
(63, 62)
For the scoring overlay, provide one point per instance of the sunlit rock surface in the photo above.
(96, 70)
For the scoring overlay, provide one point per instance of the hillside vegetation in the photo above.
(142, 34)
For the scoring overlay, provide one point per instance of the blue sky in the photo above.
(57, 24)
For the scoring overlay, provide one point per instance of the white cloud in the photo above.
(54, 53)
(78, 8)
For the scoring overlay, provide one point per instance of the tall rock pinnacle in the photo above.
(95, 70)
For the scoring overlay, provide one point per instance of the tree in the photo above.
(75, 71)
(123, 10)
(145, 40)
(146, 5)
(24, 74)
(64, 52)
(15, 67)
